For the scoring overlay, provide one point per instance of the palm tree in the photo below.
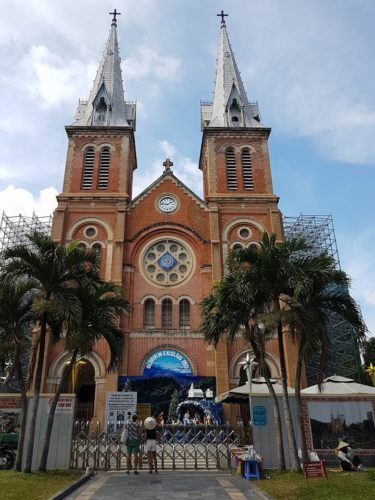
(16, 318)
(233, 306)
(278, 270)
(102, 303)
(310, 311)
(57, 270)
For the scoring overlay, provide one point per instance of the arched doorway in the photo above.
(83, 378)
(82, 383)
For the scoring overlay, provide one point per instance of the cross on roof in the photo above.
(222, 15)
(168, 164)
(114, 14)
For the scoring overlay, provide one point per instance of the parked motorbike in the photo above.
(7, 456)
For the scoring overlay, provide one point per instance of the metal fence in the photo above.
(180, 447)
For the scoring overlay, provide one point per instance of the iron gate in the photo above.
(180, 447)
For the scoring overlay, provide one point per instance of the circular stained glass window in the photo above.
(167, 262)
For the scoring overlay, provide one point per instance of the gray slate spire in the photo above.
(106, 105)
(230, 107)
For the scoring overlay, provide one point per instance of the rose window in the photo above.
(167, 262)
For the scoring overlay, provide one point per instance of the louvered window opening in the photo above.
(231, 169)
(184, 313)
(104, 168)
(166, 314)
(88, 168)
(247, 170)
(149, 313)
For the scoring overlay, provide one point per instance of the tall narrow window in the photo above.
(97, 248)
(88, 168)
(247, 170)
(184, 313)
(166, 313)
(230, 160)
(104, 168)
(149, 313)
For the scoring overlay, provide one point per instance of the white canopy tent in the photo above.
(339, 386)
(258, 388)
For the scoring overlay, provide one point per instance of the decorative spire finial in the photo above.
(114, 14)
(168, 164)
(222, 15)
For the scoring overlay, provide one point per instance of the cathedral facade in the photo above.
(167, 246)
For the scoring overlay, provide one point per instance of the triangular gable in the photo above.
(160, 180)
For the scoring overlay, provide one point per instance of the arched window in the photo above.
(82, 245)
(166, 313)
(230, 160)
(184, 313)
(88, 168)
(247, 170)
(149, 313)
(97, 248)
(103, 175)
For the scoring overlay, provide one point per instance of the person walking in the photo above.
(151, 438)
(133, 429)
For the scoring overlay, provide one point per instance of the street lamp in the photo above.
(249, 364)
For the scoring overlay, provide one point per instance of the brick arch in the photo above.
(90, 220)
(167, 346)
(234, 367)
(242, 220)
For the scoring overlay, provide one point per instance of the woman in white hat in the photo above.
(151, 436)
(347, 461)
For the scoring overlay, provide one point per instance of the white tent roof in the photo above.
(258, 388)
(339, 386)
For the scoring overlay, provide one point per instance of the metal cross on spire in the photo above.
(222, 15)
(114, 14)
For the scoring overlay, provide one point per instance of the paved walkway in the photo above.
(168, 485)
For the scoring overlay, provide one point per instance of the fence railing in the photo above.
(179, 447)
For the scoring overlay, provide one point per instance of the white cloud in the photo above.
(15, 201)
(147, 62)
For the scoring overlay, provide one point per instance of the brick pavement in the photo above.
(168, 485)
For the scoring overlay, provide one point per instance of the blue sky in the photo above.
(309, 64)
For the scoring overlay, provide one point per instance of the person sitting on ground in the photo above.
(348, 462)
(133, 442)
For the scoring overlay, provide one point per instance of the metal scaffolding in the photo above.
(14, 230)
(343, 352)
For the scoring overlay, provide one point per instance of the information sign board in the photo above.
(259, 415)
(314, 469)
(117, 407)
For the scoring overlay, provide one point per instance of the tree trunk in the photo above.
(51, 415)
(292, 444)
(21, 383)
(299, 408)
(259, 355)
(36, 394)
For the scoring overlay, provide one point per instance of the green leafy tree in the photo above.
(234, 306)
(172, 410)
(57, 270)
(16, 318)
(101, 306)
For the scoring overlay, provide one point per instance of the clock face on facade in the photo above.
(167, 204)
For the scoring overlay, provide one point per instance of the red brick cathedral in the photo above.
(166, 246)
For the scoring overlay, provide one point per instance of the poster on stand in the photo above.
(118, 407)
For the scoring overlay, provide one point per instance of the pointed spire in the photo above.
(106, 105)
(230, 106)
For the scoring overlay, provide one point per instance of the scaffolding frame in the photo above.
(343, 352)
(14, 230)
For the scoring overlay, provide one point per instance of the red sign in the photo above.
(314, 469)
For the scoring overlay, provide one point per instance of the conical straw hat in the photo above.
(342, 444)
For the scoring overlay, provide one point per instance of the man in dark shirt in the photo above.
(133, 442)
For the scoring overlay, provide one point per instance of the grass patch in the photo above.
(340, 485)
(35, 486)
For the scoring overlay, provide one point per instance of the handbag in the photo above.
(124, 435)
